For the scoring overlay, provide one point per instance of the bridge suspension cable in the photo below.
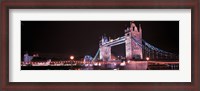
(97, 53)
(150, 48)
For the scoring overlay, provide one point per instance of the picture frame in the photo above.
(88, 4)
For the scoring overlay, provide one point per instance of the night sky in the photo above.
(79, 38)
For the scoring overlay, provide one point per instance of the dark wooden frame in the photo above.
(104, 4)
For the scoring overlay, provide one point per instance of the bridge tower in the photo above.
(133, 50)
(105, 51)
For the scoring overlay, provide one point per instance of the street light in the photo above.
(147, 58)
(72, 58)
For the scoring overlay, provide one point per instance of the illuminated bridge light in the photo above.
(147, 58)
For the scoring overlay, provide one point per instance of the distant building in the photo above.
(27, 58)
(87, 58)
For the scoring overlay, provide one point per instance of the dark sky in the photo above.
(79, 38)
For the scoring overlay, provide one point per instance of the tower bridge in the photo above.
(136, 48)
